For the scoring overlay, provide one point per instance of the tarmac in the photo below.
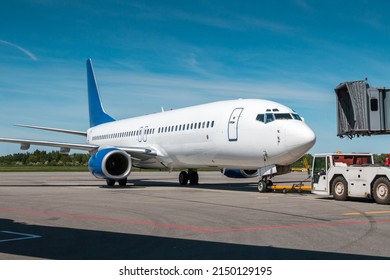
(74, 216)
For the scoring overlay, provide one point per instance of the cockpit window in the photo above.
(283, 116)
(260, 118)
(296, 116)
(269, 117)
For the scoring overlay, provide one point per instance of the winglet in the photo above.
(97, 115)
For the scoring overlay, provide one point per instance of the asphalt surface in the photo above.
(75, 216)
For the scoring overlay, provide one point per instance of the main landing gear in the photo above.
(264, 185)
(192, 176)
(121, 182)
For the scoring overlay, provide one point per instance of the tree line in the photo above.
(44, 158)
(55, 158)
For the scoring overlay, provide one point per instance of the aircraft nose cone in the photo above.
(300, 139)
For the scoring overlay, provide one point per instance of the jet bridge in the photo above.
(362, 110)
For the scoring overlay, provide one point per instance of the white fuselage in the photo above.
(226, 134)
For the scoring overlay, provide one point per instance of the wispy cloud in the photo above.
(224, 19)
(303, 4)
(233, 22)
(250, 22)
(182, 91)
(25, 51)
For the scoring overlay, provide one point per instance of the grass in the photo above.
(43, 169)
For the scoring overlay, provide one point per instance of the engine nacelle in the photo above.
(240, 173)
(110, 163)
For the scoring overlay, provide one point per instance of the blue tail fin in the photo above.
(97, 115)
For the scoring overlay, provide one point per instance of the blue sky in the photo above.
(172, 54)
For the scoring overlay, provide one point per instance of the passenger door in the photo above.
(233, 124)
(140, 134)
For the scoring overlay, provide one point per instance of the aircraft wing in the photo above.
(25, 144)
(65, 147)
(75, 132)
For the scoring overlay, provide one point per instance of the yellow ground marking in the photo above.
(367, 213)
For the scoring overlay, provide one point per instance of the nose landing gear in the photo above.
(264, 185)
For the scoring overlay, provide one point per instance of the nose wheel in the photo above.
(264, 185)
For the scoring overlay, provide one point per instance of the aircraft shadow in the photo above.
(80, 244)
(146, 183)
(226, 186)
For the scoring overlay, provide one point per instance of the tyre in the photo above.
(262, 186)
(381, 190)
(340, 188)
(183, 178)
(193, 177)
(110, 182)
(122, 182)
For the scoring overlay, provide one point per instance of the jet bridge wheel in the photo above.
(381, 190)
(340, 188)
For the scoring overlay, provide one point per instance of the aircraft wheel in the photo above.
(262, 186)
(110, 182)
(381, 190)
(193, 177)
(340, 188)
(183, 178)
(122, 182)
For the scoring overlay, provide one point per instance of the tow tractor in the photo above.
(344, 175)
(362, 110)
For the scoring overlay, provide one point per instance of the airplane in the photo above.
(243, 138)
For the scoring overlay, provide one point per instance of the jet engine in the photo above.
(240, 173)
(110, 163)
